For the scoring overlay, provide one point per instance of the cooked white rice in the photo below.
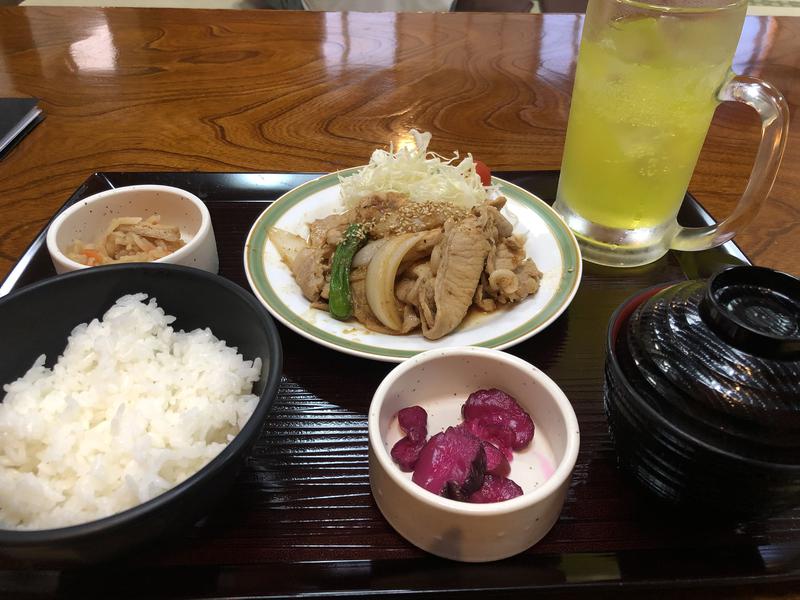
(131, 409)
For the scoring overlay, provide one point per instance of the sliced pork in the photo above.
(308, 268)
(326, 233)
(463, 252)
(393, 214)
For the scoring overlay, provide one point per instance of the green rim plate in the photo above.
(551, 235)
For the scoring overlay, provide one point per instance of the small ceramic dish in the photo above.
(87, 219)
(440, 381)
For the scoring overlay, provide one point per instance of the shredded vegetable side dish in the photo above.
(420, 175)
(129, 239)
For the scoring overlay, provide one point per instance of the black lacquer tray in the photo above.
(301, 522)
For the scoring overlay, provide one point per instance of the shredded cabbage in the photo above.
(422, 175)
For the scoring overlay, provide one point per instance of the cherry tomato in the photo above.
(483, 172)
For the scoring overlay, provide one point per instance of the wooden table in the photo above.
(149, 90)
(144, 90)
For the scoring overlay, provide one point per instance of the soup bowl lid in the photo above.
(723, 353)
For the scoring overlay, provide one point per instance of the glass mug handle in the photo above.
(771, 106)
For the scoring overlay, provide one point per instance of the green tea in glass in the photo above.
(648, 81)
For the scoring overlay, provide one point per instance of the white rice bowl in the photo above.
(131, 409)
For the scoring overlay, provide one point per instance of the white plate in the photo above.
(549, 242)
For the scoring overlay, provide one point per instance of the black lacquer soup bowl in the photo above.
(702, 391)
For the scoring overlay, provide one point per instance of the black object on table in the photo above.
(300, 519)
(18, 117)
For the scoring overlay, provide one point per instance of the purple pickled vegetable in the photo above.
(498, 436)
(495, 489)
(406, 453)
(451, 464)
(495, 417)
(496, 462)
(414, 421)
(468, 462)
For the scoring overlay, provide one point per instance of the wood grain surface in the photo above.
(159, 89)
(179, 90)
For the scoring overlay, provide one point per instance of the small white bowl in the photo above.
(88, 218)
(440, 381)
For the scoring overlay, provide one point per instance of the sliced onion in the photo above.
(288, 244)
(381, 273)
(365, 255)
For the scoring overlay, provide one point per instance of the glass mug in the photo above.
(649, 78)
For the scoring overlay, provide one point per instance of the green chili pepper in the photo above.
(340, 303)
